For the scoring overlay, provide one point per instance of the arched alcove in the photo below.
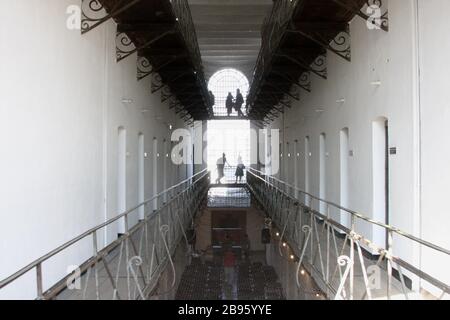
(223, 82)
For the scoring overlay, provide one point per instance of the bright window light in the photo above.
(224, 81)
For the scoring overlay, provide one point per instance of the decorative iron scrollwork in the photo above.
(124, 46)
(305, 81)
(93, 13)
(375, 12)
(339, 45)
(319, 66)
(166, 94)
(174, 103)
(144, 68)
(295, 93)
(157, 83)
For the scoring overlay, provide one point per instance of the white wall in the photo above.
(418, 114)
(59, 117)
(434, 128)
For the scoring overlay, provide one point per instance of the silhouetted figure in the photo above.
(191, 237)
(229, 103)
(246, 247)
(239, 170)
(212, 99)
(229, 263)
(220, 168)
(239, 102)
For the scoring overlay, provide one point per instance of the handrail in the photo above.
(91, 231)
(353, 213)
(280, 202)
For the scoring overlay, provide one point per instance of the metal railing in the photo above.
(185, 24)
(273, 31)
(129, 267)
(229, 176)
(333, 253)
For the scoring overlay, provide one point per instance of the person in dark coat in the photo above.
(239, 170)
(239, 102)
(221, 162)
(212, 99)
(229, 103)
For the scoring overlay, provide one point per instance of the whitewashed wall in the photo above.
(60, 111)
(418, 112)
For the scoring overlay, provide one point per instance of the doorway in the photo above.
(323, 173)
(141, 175)
(380, 178)
(121, 177)
(228, 227)
(344, 173)
(307, 173)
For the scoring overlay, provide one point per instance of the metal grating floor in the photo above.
(229, 198)
(205, 281)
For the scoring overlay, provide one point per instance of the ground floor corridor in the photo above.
(261, 150)
(249, 281)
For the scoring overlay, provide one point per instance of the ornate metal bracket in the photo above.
(93, 13)
(181, 111)
(166, 94)
(159, 86)
(375, 12)
(294, 92)
(157, 83)
(340, 45)
(144, 68)
(174, 103)
(125, 46)
(304, 81)
(318, 67)
(288, 93)
(286, 103)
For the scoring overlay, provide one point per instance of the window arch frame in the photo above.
(219, 85)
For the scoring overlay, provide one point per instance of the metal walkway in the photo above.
(131, 266)
(335, 254)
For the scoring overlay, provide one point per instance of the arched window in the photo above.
(224, 81)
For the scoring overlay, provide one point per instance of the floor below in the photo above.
(208, 280)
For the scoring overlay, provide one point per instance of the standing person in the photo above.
(229, 103)
(229, 262)
(246, 247)
(239, 103)
(220, 168)
(212, 99)
(239, 170)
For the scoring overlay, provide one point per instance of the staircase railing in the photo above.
(333, 252)
(129, 267)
